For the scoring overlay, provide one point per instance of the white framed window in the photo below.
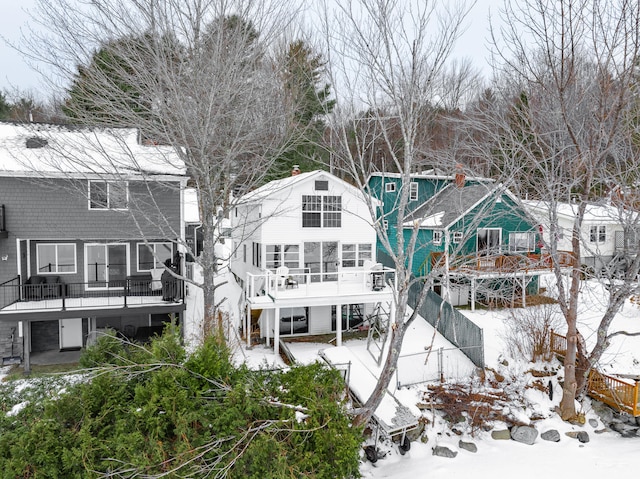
(108, 195)
(153, 255)
(385, 224)
(283, 255)
(321, 211)
(413, 191)
(457, 237)
(256, 255)
(598, 234)
(522, 242)
(437, 236)
(356, 254)
(59, 258)
(389, 187)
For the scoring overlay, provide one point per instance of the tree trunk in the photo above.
(212, 324)
(570, 387)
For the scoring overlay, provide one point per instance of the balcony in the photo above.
(3, 229)
(18, 298)
(299, 286)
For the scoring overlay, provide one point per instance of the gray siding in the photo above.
(58, 210)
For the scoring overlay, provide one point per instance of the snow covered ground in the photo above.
(606, 452)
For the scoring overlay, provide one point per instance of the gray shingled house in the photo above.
(88, 220)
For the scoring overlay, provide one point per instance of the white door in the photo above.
(70, 333)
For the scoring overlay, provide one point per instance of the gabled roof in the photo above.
(278, 186)
(54, 150)
(449, 205)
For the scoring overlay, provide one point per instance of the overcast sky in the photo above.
(16, 73)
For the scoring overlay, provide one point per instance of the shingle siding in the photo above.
(58, 210)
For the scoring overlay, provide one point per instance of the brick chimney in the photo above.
(296, 170)
(460, 177)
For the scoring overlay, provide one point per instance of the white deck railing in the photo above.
(301, 282)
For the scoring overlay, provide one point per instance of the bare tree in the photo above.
(199, 76)
(386, 58)
(560, 127)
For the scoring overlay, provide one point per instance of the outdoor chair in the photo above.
(282, 273)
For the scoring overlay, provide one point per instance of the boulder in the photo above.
(593, 423)
(501, 435)
(551, 435)
(524, 434)
(624, 429)
(415, 434)
(468, 446)
(583, 436)
(444, 451)
(605, 413)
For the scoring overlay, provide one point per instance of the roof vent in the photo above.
(36, 142)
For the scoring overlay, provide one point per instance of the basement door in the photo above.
(70, 333)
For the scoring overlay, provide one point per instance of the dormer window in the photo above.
(108, 195)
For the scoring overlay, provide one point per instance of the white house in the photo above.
(603, 238)
(304, 250)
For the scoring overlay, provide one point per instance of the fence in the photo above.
(431, 366)
(617, 393)
(451, 323)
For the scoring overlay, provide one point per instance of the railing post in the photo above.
(126, 290)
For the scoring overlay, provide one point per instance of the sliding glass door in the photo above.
(320, 259)
(106, 265)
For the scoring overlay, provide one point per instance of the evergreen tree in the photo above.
(5, 107)
(312, 100)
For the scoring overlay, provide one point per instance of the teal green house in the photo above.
(474, 242)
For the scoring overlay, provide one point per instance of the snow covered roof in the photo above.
(54, 150)
(433, 174)
(191, 206)
(278, 186)
(449, 204)
(593, 213)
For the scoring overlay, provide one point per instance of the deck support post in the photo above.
(524, 290)
(267, 335)
(473, 294)
(26, 346)
(339, 324)
(248, 328)
(276, 333)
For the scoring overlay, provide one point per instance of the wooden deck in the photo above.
(617, 392)
(501, 264)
